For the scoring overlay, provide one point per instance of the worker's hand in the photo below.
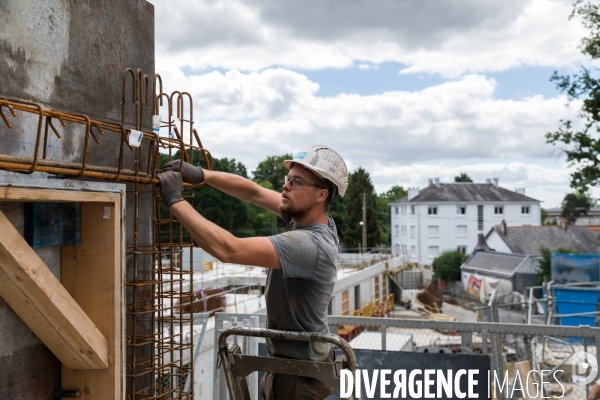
(171, 186)
(189, 173)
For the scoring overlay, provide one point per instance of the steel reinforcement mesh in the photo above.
(159, 335)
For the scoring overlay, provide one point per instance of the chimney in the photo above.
(488, 181)
(436, 182)
(495, 181)
(564, 223)
(430, 181)
(412, 193)
(482, 244)
(504, 228)
(520, 191)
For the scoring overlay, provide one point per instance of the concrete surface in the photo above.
(67, 55)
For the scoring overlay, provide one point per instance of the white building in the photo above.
(449, 216)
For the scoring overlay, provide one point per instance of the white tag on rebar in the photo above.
(106, 213)
(156, 123)
(135, 138)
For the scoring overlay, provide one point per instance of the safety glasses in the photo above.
(297, 183)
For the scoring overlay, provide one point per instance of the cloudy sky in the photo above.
(408, 90)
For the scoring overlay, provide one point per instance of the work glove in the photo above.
(171, 186)
(189, 173)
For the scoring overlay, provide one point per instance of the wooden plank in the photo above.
(35, 294)
(92, 273)
(531, 391)
(9, 193)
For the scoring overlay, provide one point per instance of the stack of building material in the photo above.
(204, 300)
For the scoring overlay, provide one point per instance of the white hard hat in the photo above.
(326, 163)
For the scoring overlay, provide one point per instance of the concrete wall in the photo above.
(365, 279)
(495, 242)
(67, 55)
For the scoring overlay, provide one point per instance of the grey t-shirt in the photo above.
(298, 294)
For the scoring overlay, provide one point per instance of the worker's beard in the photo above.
(288, 211)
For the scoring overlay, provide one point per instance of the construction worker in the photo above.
(302, 261)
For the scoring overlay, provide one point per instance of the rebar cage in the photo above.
(159, 335)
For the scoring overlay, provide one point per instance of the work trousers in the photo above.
(291, 387)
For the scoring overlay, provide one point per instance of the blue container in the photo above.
(573, 300)
(575, 268)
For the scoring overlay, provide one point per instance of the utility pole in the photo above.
(364, 220)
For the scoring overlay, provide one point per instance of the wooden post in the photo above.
(364, 230)
(92, 274)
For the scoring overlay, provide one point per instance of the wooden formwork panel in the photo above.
(81, 318)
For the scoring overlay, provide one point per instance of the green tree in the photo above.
(359, 183)
(581, 142)
(228, 212)
(337, 209)
(272, 170)
(395, 193)
(544, 217)
(383, 212)
(575, 205)
(447, 265)
(545, 265)
(462, 177)
(261, 222)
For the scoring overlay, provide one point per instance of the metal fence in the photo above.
(553, 353)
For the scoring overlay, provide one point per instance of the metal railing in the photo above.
(547, 347)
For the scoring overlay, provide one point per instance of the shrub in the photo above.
(447, 265)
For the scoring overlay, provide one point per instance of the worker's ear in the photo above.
(322, 195)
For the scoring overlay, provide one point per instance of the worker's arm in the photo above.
(223, 245)
(245, 189)
(215, 240)
(233, 185)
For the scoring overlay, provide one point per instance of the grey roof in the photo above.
(501, 264)
(529, 239)
(465, 192)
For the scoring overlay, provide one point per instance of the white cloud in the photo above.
(367, 67)
(254, 105)
(249, 116)
(427, 36)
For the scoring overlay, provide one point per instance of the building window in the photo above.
(461, 210)
(357, 304)
(525, 210)
(433, 251)
(462, 249)
(396, 230)
(384, 285)
(461, 231)
(396, 210)
(432, 210)
(412, 210)
(479, 218)
(433, 231)
(376, 287)
(498, 210)
(413, 231)
(413, 251)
